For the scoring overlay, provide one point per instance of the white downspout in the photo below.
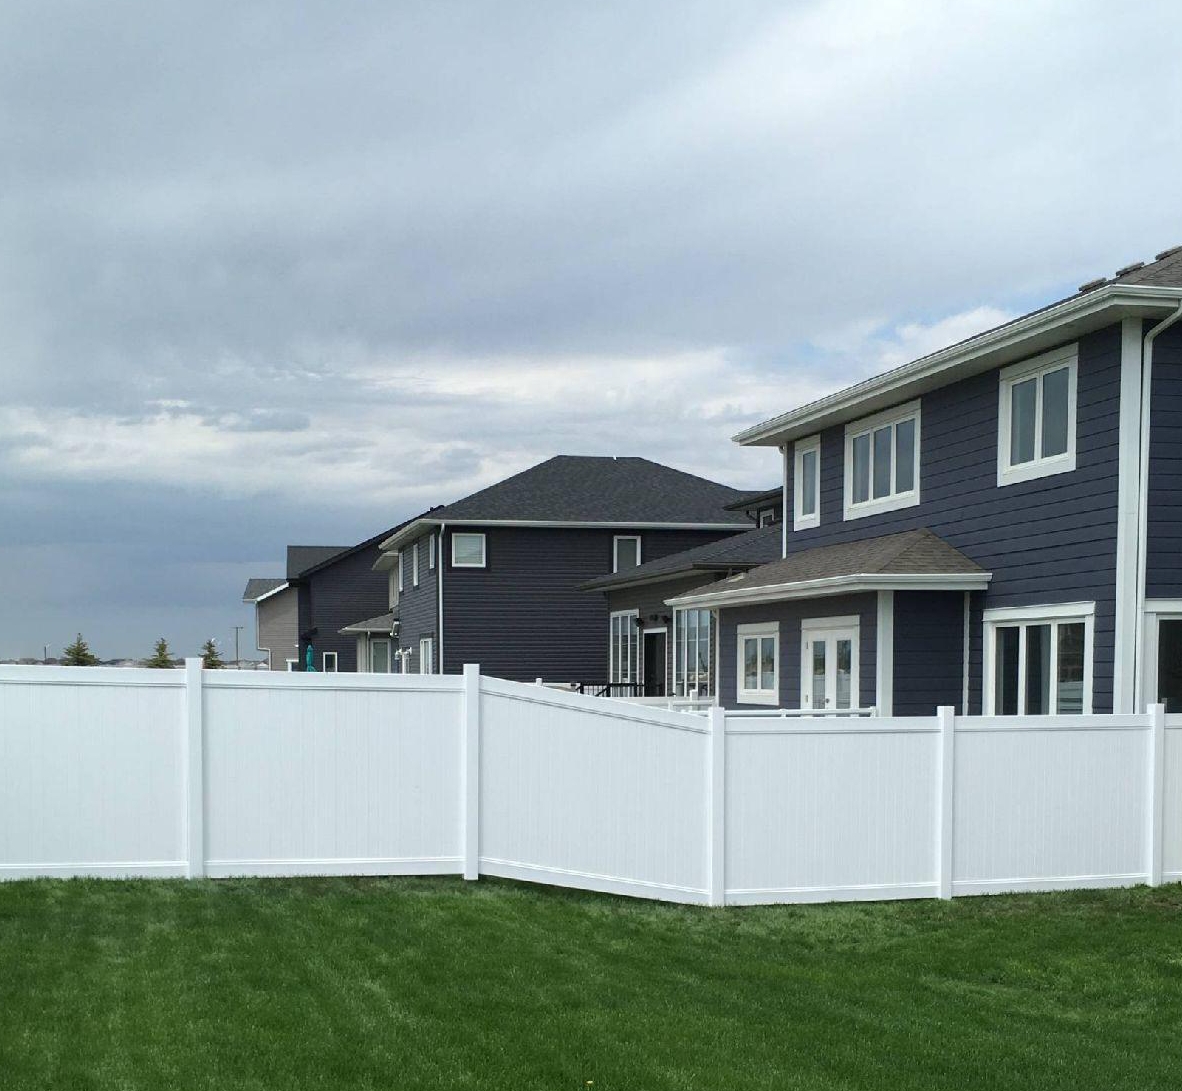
(439, 567)
(1143, 502)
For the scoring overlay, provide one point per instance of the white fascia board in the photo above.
(411, 530)
(837, 585)
(1025, 337)
(273, 591)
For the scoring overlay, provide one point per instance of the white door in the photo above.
(829, 663)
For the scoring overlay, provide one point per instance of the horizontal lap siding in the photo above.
(278, 620)
(418, 607)
(790, 615)
(1050, 540)
(524, 617)
(341, 594)
(929, 652)
(1164, 553)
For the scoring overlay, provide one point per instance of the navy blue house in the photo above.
(494, 578)
(995, 526)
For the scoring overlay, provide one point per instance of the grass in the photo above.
(419, 983)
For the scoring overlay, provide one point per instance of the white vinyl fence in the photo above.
(139, 772)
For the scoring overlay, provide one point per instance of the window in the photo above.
(624, 647)
(328, 663)
(1036, 417)
(1038, 660)
(400, 566)
(759, 664)
(625, 552)
(431, 552)
(394, 583)
(806, 487)
(426, 666)
(691, 653)
(414, 564)
(766, 517)
(467, 551)
(882, 462)
(379, 656)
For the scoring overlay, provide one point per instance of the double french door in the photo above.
(829, 664)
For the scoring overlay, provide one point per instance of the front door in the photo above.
(829, 663)
(654, 663)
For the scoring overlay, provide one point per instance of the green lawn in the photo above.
(418, 983)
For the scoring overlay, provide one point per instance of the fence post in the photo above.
(1156, 793)
(946, 776)
(716, 808)
(194, 765)
(470, 778)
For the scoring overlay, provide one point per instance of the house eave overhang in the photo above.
(274, 591)
(420, 525)
(835, 585)
(994, 348)
(665, 577)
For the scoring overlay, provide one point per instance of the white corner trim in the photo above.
(884, 695)
(1127, 509)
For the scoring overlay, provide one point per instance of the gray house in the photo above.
(995, 526)
(495, 578)
(276, 620)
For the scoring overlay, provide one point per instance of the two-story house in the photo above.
(276, 620)
(995, 526)
(494, 578)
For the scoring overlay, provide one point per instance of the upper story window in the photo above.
(467, 551)
(1036, 417)
(431, 552)
(414, 564)
(806, 484)
(393, 595)
(399, 566)
(766, 517)
(625, 552)
(882, 462)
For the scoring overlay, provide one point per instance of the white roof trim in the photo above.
(838, 585)
(273, 591)
(419, 525)
(989, 349)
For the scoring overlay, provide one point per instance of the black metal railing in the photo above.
(620, 689)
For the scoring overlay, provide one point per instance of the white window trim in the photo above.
(757, 696)
(896, 500)
(1053, 615)
(401, 586)
(392, 587)
(801, 521)
(1016, 373)
(483, 549)
(761, 522)
(611, 648)
(680, 662)
(324, 657)
(431, 553)
(426, 655)
(811, 627)
(373, 642)
(616, 540)
(414, 565)
(1156, 610)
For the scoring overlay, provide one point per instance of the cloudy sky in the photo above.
(277, 272)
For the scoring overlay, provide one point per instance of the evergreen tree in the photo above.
(161, 658)
(79, 654)
(209, 653)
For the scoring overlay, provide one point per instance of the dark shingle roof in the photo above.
(257, 588)
(751, 500)
(300, 558)
(384, 623)
(756, 547)
(912, 552)
(589, 489)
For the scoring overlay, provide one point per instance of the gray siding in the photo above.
(1050, 540)
(929, 652)
(277, 618)
(418, 607)
(523, 616)
(790, 615)
(1164, 552)
(337, 595)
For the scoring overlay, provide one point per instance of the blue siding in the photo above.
(418, 607)
(1164, 553)
(929, 652)
(790, 615)
(523, 616)
(1045, 541)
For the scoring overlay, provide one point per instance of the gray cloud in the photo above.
(283, 271)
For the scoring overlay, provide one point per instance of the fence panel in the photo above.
(1045, 803)
(592, 792)
(1172, 802)
(825, 809)
(332, 774)
(91, 772)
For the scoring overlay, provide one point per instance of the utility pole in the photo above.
(237, 660)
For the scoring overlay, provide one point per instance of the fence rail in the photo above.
(185, 773)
